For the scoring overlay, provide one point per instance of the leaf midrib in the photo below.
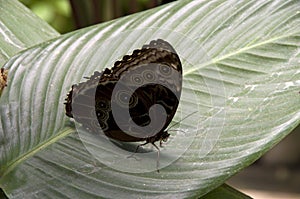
(241, 50)
(5, 170)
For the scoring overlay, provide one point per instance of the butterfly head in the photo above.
(164, 136)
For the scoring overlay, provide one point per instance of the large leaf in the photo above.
(240, 62)
(20, 29)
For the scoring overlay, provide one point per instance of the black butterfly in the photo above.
(90, 102)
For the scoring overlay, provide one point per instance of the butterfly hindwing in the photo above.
(89, 103)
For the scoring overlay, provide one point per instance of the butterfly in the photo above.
(149, 76)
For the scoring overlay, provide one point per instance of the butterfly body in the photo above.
(150, 76)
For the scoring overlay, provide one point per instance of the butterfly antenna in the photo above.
(182, 119)
(177, 130)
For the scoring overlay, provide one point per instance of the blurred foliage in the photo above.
(95, 11)
(57, 13)
(67, 15)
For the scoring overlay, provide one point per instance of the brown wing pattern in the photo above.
(89, 103)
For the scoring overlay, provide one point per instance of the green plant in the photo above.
(246, 83)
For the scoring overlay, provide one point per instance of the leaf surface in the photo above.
(241, 74)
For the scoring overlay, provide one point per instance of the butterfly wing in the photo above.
(92, 99)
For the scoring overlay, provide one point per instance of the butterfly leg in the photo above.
(157, 160)
(137, 148)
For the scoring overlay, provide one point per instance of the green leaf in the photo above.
(240, 62)
(20, 29)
